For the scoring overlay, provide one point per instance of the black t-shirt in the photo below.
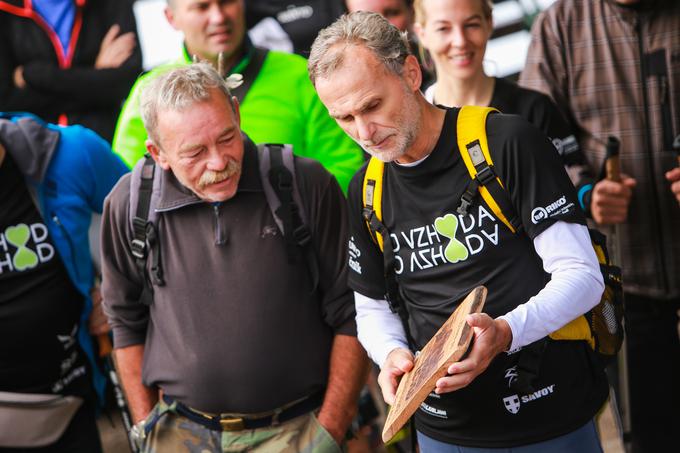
(39, 306)
(441, 256)
(541, 111)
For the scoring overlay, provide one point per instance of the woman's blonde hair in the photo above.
(419, 9)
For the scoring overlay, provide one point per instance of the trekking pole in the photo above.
(613, 170)
(105, 350)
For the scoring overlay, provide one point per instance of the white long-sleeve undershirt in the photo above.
(575, 287)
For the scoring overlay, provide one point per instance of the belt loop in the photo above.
(275, 416)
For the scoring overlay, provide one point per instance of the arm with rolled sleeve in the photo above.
(348, 363)
(121, 288)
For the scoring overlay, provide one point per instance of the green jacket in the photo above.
(281, 106)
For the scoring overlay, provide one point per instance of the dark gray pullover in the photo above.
(235, 328)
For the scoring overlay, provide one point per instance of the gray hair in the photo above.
(365, 28)
(177, 89)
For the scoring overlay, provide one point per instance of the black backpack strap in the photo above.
(144, 235)
(277, 170)
(392, 294)
(486, 177)
(257, 57)
(468, 197)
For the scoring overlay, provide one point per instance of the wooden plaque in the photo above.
(446, 347)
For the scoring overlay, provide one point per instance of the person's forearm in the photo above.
(91, 87)
(348, 369)
(140, 398)
(379, 330)
(575, 287)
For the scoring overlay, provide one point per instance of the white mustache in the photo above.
(212, 177)
(371, 143)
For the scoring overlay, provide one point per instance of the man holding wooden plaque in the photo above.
(424, 233)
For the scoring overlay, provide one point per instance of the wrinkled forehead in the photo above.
(346, 59)
(354, 83)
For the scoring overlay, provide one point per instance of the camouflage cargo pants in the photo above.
(172, 432)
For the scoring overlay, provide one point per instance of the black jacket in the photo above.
(66, 89)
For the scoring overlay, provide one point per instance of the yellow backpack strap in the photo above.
(474, 149)
(372, 199)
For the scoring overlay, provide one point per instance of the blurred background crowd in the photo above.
(600, 67)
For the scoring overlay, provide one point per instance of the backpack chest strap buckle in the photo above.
(138, 248)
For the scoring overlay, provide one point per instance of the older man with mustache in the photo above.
(244, 345)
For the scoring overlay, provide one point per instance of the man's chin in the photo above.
(218, 192)
(216, 197)
(385, 155)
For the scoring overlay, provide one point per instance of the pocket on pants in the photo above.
(169, 432)
(149, 424)
(328, 445)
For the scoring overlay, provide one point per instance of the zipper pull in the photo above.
(220, 237)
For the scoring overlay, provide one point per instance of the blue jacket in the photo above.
(70, 170)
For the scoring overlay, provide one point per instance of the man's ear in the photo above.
(170, 17)
(157, 154)
(412, 73)
(2, 154)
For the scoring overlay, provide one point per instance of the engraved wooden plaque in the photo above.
(446, 347)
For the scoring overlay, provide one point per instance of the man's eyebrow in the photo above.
(227, 130)
(362, 108)
(191, 147)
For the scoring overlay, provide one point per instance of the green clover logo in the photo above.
(18, 236)
(447, 226)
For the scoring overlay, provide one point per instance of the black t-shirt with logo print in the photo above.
(39, 306)
(441, 256)
(541, 111)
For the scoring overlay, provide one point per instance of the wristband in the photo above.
(582, 194)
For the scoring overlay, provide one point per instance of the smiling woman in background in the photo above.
(455, 34)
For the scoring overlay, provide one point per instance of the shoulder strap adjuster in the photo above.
(302, 235)
(284, 182)
(138, 248)
(485, 175)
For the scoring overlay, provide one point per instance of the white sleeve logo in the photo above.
(354, 255)
(557, 207)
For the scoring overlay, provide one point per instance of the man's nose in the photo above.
(365, 129)
(217, 160)
(216, 13)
